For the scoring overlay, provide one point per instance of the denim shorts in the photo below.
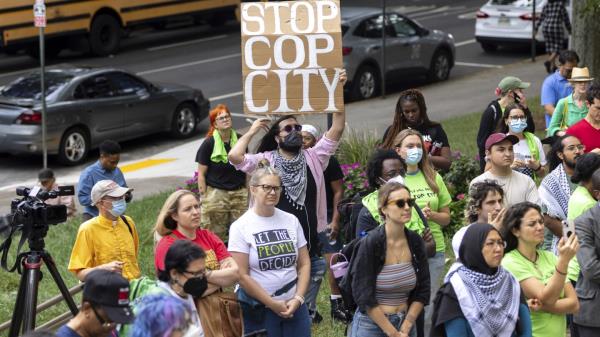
(364, 326)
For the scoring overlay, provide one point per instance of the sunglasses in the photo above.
(288, 128)
(403, 202)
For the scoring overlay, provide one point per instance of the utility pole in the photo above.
(383, 31)
(39, 16)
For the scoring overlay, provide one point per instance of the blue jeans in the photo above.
(363, 325)
(436, 269)
(317, 271)
(276, 326)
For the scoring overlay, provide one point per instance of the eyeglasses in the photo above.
(288, 128)
(223, 118)
(269, 188)
(195, 274)
(403, 202)
(103, 322)
(572, 148)
(491, 244)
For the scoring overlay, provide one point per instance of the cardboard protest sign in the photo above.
(291, 57)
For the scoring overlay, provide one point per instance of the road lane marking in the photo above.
(173, 45)
(18, 72)
(233, 94)
(478, 65)
(464, 43)
(468, 16)
(144, 164)
(450, 12)
(189, 64)
(427, 13)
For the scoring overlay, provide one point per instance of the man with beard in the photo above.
(302, 177)
(556, 188)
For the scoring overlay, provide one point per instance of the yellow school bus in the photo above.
(101, 22)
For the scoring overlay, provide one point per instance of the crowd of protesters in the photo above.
(526, 259)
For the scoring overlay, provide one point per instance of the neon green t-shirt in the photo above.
(423, 194)
(544, 324)
(580, 201)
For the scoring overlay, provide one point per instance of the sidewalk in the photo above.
(456, 97)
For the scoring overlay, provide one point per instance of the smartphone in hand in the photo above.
(568, 228)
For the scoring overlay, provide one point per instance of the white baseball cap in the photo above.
(109, 188)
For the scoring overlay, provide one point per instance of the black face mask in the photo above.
(292, 142)
(195, 286)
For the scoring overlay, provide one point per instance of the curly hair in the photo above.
(268, 142)
(512, 219)
(212, 116)
(424, 165)
(584, 167)
(159, 315)
(477, 194)
(557, 147)
(375, 166)
(400, 123)
(593, 92)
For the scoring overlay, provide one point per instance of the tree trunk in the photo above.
(586, 35)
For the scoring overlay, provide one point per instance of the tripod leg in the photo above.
(17, 317)
(59, 282)
(32, 270)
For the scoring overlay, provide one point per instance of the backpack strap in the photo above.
(127, 223)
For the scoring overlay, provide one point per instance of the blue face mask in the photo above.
(413, 156)
(118, 208)
(517, 125)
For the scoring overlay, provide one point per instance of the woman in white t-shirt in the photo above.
(271, 252)
(529, 153)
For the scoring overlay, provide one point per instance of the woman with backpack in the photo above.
(271, 251)
(389, 275)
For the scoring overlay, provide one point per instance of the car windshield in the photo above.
(515, 3)
(28, 87)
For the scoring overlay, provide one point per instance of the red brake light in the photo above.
(346, 50)
(482, 15)
(528, 17)
(29, 118)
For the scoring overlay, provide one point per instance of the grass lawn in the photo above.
(462, 132)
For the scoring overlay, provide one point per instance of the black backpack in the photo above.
(349, 208)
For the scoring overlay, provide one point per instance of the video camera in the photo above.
(31, 210)
(32, 216)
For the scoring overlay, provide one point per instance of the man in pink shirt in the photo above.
(588, 129)
(302, 177)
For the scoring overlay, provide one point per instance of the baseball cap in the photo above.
(310, 129)
(496, 138)
(512, 83)
(110, 291)
(109, 188)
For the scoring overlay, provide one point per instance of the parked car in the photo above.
(507, 22)
(411, 49)
(86, 106)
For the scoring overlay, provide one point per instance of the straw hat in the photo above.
(580, 75)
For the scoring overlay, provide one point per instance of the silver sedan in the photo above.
(411, 50)
(86, 106)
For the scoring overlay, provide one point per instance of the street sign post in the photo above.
(39, 20)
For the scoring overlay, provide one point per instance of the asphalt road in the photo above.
(209, 59)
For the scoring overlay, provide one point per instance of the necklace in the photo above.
(528, 259)
(398, 258)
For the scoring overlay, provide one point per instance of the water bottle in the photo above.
(333, 241)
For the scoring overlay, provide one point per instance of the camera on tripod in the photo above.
(31, 210)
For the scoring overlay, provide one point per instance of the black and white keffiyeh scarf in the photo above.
(555, 192)
(293, 177)
(490, 303)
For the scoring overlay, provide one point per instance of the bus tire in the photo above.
(105, 35)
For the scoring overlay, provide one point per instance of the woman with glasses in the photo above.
(389, 274)
(179, 219)
(530, 158)
(571, 109)
(541, 274)
(480, 297)
(432, 196)
(269, 247)
(411, 112)
(222, 187)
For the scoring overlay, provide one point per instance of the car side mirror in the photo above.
(424, 32)
(143, 93)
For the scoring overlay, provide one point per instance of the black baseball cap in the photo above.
(110, 291)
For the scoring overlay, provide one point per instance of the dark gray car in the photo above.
(86, 106)
(411, 50)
